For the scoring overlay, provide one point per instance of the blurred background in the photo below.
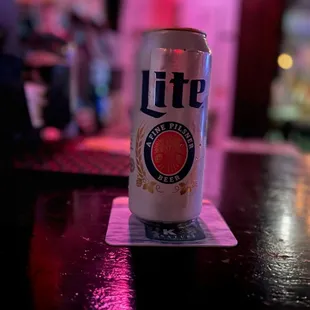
(76, 60)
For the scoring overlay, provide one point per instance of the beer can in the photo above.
(168, 138)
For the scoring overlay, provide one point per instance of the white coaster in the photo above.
(210, 230)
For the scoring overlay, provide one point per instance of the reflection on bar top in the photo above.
(113, 145)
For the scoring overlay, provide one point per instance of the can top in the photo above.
(176, 29)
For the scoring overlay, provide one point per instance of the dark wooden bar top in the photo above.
(56, 257)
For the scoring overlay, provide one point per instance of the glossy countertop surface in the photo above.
(61, 260)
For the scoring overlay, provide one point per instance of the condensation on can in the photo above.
(168, 138)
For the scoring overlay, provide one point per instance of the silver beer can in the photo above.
(169, 130)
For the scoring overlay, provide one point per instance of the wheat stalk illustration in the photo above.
(187, 187)
(142, 180)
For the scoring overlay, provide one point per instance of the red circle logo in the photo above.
(169, 153)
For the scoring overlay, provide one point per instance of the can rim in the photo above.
(188, 29)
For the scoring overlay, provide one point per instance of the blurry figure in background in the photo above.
(85, 111)
(114, 114)
(92, 74)
(100, 69)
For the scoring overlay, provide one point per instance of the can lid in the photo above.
(176, 29)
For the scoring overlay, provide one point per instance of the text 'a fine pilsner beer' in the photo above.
(168, 139)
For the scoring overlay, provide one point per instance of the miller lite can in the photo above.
(168, 138)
